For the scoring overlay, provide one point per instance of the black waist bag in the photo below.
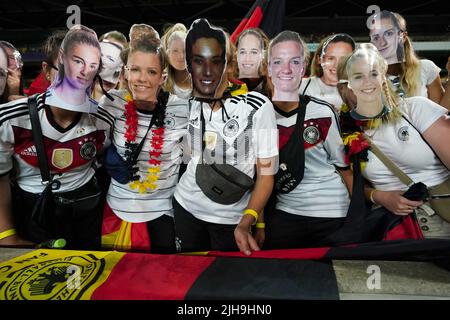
(222, 183)
(292, 155)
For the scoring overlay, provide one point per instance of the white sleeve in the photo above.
(6, 148)
(265, 133)
(423, 112)
(334, 145)
(430, 71)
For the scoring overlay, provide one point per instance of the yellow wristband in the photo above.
(7, 233)
(260, 225)
(371, 196)
(252, 213)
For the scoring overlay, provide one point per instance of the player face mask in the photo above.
(79, 62)
(111, 61)
(206, 58)
(286, 69)
(387, 36)
(249, 56)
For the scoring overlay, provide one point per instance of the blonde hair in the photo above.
(410, 69)
(178, 30)
(389, 95)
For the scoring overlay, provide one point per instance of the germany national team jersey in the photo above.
(128, 204)
(71, 151)
(322, 192)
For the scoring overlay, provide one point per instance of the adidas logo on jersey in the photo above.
(30, 151)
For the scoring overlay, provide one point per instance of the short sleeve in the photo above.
(430, 71)
(6, 148)
(423, 112)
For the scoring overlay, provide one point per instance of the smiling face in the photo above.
(329, 61)
(176, 53)
(207, 67)
(111, 64)
(249, 56)
(286, 69)
(365, 80)
(388, 39)
(80, 65)
(144, 75)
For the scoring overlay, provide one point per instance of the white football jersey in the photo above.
(71, 152)
(128, 204)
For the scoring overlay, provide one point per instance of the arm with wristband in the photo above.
(253, 213)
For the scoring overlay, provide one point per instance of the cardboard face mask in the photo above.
(286, 69)
(79, 61)
(365, 79)
(387, 36)
(111, 62)
(249, 56)
(206, 59)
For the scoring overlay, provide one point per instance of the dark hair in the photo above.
(316, 68)
(201, 28)
(52, 44)
(146, 45)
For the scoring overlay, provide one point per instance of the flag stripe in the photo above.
(244, 278)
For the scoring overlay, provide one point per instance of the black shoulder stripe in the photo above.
(13, 116)
(105, 113)
(3, 114)
(236, 99)
(253, 105)
(108, 121)
(257, 102)
(16, 105)
(254, 96)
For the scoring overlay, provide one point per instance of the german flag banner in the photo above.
(272, 274)
(268, 15)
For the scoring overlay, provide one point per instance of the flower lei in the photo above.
(149, 182)
(355, 145)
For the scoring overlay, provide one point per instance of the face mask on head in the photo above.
(286, 69)
(386, 35)
(79, 61)
(208, 62)
(111, 62)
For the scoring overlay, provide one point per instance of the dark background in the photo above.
(26, 24)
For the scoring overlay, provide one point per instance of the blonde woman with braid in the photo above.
(408, 131)
(410, 75)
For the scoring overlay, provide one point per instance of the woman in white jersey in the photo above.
(323, 80)
(237, 132)
(311, 200)
(138, 214)
(410, 75)
(74, 131)
(408, 131)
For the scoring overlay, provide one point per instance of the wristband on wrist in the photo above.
(371, 196)
(260, 225)
(7, 233)
(252, 213)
